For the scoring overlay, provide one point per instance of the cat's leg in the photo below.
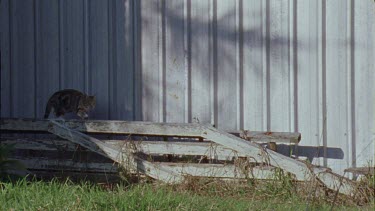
(60, 116)
(82, 114)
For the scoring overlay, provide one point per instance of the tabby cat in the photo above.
(70, 100)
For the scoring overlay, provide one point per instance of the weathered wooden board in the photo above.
(127, 159)
(301, 170)
(211, 150)
(362, 170)
(185, 169)
(66, 165)
(220, 170)
(144, 128)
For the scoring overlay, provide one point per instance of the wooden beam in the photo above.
(361, 170)
(251, 149)
(122, 157)
(301, 170)
(209, 149)
(144, 128)
(185, 169)
(220, 170)
(40, 163)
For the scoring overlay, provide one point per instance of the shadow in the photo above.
(216, 46)
(310, 152)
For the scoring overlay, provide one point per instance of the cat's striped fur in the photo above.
(70, 100)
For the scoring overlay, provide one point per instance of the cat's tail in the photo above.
(48, 110)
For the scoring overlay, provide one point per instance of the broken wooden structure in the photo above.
(229, 154)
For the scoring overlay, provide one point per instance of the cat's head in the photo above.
(89, 102)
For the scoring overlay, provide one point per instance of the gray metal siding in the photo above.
(279, 65)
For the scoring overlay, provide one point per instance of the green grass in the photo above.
(55, 195)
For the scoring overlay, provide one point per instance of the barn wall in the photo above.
(287, 65)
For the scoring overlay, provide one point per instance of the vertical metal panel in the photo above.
(200, 68)
(5, 104)
(364, 77)
(336, 83)
(308, 77)
(98, 56)
(22, 58)
(254, 74)
(279, 79)
(226, 65)
(151, 59)
(73, 45)
(121, 57)
(175, 74)
(258, 65)
(47, 52)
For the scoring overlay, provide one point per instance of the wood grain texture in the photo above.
(145, 128)
(127, 159)
(258, 65)
(301, 170)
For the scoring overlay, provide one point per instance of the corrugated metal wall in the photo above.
(279, 65)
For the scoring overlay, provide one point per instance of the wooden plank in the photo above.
(220, 170)
(122, 157)
(66, 165)
(336, 182)
(279, 137)
(300, 169)
(211, 150)
(361, 170)
(253, 150)
(185, 169)
(144, 128)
